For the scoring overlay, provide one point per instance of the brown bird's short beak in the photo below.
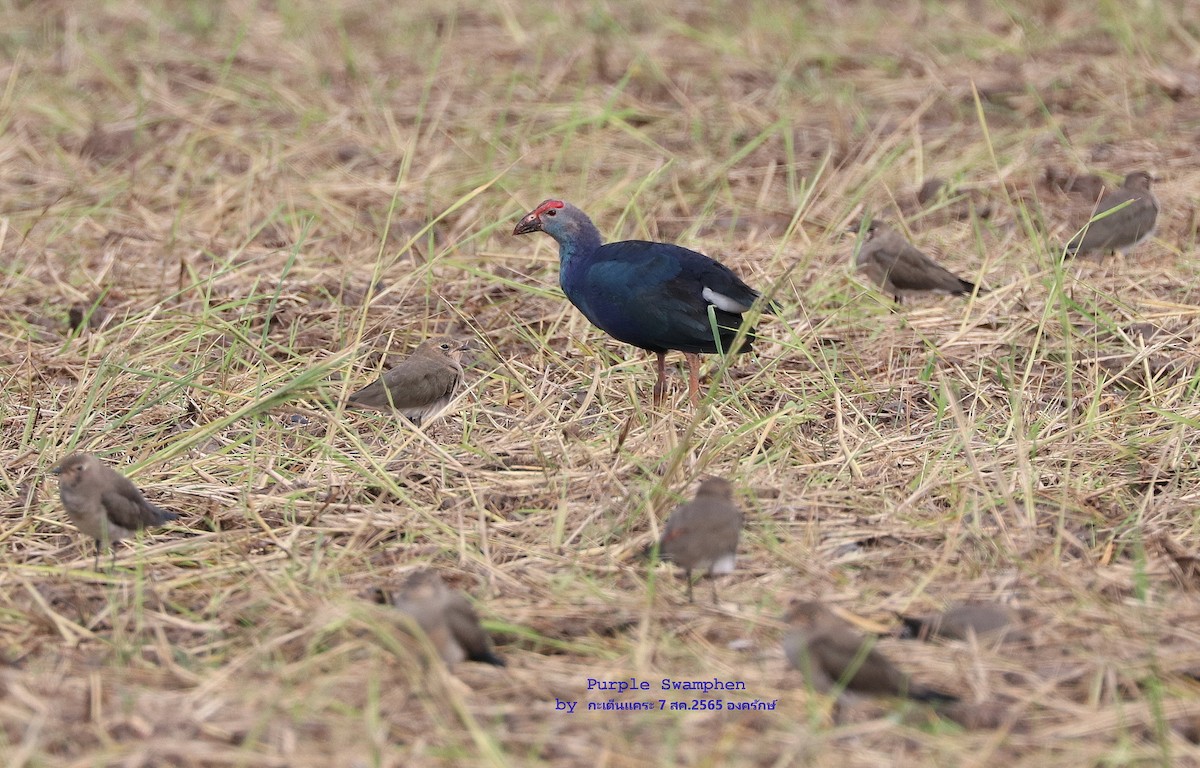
(57, 470)
(531, 223)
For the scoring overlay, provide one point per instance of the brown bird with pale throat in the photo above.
(899, 268)
(987, 621)
(447, 618)
(102, 503)
(1124, 229)
(829, 652)
(702, 535)
(419, 387)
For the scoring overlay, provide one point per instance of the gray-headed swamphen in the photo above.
(656, 296)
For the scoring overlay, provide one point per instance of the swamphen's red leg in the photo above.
(693, 363)
(660, 386)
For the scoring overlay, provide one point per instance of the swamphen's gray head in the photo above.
(560, 220)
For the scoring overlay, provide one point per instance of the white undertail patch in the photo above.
(723, 564)
(723, 302)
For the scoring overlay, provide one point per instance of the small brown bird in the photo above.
(829, 652)
(447, 618)
(987, 621)
(899, 268)
(420, 386)
(102, 503)
(1121, 230)
(702, 535)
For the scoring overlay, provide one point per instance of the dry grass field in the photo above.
(217, 219)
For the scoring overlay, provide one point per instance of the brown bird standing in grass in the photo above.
(102, 503)
(897, 267)
(420, 386)
(447, 618)
(702, 535)
(987, 621)
(829, 652)
(1121, 230)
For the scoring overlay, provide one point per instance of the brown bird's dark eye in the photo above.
(551, 212)
(445, 346)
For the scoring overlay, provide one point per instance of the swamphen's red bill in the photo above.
(532, 221)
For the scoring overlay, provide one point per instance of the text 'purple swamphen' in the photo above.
(656, 296)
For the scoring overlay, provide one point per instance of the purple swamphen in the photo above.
(656, 296)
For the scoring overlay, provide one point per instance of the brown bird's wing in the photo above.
(125, 506)
(676, 531)
(682, 534)
(991, 623)
(471, 636)
(958, 622)
(841, 652)
(1119, 228)
(918, 270)
(417, 382)
(912, 270)
(961, 620)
